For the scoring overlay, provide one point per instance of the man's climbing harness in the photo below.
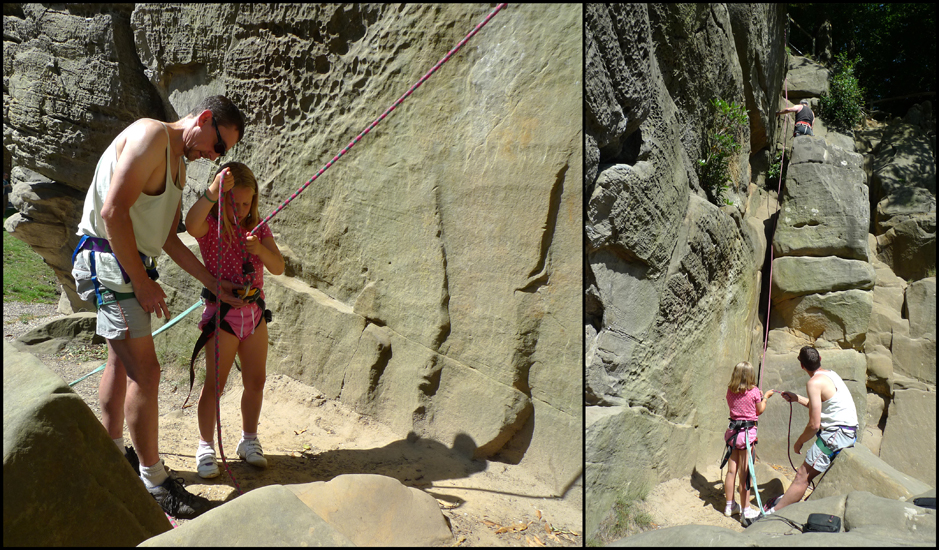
(820, 443)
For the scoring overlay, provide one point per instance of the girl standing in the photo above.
(244, 329)
(745, 402)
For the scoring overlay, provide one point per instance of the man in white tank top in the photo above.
(832, 419)
(130, 214)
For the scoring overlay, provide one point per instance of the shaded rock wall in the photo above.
(432, 275)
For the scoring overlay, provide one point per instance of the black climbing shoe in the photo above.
(176, 501)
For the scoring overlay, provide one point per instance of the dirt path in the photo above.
(698, 499)
(307, 438)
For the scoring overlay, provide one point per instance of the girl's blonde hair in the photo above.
(743, 378)
(244, 177)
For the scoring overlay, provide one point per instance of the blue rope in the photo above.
(157, 331)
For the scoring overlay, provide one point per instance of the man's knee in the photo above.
(805, 473)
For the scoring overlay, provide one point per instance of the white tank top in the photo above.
(839, 410)
(152, 215)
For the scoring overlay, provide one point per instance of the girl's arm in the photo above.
(195, 218)
(268, 252)
(761, 406)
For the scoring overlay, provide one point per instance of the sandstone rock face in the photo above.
(824, 213)
(453, 229)
(866, 519)
(805, 78)
(248, 521)
(673, 281)
(349, 510)
(903, 192)
(61, 471)
(374, 510)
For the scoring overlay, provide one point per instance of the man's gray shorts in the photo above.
(117, 320)
(835, 438)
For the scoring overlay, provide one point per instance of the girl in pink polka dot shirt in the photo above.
(248, 337)
(746, 402)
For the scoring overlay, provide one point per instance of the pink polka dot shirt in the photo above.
(232, 258)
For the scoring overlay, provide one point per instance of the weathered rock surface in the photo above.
(348, 510)
(824, 213)
(672, 282)
(805, 78)
(454, 226)
(824, 208)
(61, 471)
(867, 520)
(858, 469)
(269, 516)
(51, 337)
(372, 510)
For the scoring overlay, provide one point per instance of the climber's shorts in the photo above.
(117, 319)
(741, 442)
(243, 320)
(835, 439)
(802, 130)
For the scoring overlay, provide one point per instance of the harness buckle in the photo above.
(249, 295)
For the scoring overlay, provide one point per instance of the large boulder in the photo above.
(857, 469)
(269, 516)
(903, 197)
(64, 481)
(373, 510)
(909, 442)
(805, 78)
(866, 520)
(824, 208)
(349, 510)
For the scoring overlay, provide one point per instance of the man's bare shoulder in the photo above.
(143, 137)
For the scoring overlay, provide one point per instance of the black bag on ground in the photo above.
(822, 523)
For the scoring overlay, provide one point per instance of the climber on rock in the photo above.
(832, 419)
(804, 118)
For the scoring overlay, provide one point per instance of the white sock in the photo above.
(206, 445)
(153, 476)
(120, 443)
(246, 435)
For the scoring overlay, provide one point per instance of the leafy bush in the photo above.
(843, 105)
(714, 171)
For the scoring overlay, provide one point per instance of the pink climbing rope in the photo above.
(383, 115)
(782, 161)
(218, 324)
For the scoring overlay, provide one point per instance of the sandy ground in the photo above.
(698, 499)
(307, 438)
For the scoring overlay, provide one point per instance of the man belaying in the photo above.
(804, 118)
(130, 215)
(832, 419)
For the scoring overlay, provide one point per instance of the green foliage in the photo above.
(772, 175)
(26, 277)
(843, 105)
(897, 42)
(723, 144)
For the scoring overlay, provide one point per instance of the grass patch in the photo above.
(627, 517)
(26, 277)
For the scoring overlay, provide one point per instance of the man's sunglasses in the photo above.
(220, 146)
